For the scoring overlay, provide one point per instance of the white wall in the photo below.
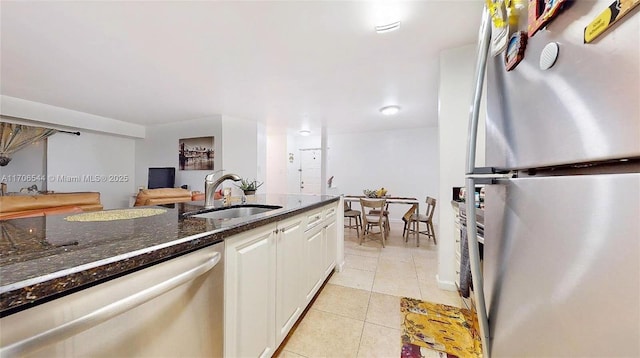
(26, 164)
(97, 151)
(240, 153)
(403, 161)
(261, 157)
(160, 149)
(108, 159)
(457, 70)
(277, 158)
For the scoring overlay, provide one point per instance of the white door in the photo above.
(310, 171)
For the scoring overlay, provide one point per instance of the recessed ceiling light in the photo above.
(305, 132)
(390, 110)
(388, 27)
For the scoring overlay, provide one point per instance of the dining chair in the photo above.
(406, 218)
(427, 218)
(385, 212)
(350, 214)
(370, 221)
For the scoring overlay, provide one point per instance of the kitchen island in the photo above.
(46, 258)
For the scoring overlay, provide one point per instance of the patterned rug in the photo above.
(437, 330)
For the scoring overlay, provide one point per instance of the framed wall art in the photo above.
(196, 153)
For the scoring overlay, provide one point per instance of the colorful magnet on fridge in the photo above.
(499, 26)
(542, 12)
(515, 50)
(608, 17)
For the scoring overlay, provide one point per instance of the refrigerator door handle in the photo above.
(491, 179)
(472, 232)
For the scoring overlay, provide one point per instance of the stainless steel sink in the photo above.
(236, 212)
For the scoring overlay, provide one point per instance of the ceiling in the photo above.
(298, 64)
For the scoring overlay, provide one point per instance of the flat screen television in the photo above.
(161, 178)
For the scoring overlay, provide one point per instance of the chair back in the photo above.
(407, 216)
(377, 205)
(431, 207)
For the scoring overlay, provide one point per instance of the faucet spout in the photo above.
(211, 185)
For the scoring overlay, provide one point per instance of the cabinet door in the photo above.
(289, 294)
(313, 261)
(331, 244)
(250, 294)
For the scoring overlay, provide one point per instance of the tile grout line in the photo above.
(368, 305)
(418, 279)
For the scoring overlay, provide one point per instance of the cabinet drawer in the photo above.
(330, 212)
(314, 219)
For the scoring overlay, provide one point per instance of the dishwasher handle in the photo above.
(107, 312)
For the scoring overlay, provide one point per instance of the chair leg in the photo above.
(433, 233)
(382, 233)
(417, 232)
(404, 231)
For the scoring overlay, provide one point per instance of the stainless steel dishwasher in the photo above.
(172, 309)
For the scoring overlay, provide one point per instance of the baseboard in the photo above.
(446, 285)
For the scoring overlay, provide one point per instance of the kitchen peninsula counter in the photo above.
(43, 258)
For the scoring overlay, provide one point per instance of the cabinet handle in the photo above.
(105, 313)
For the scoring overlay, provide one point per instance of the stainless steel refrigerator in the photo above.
(561, 267)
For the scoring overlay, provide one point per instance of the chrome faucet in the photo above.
(211, 185)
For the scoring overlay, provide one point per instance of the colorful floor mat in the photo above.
(429, 327)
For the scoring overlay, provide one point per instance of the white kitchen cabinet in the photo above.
(331, 245)
(320, 249)
(250, 293)
(272, 273)
(289, 297)
(314, 247)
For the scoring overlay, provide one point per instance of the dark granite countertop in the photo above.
(43, 258)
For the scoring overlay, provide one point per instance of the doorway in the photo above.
(310, 170)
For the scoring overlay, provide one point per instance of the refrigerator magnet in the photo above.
(499, 26)
(542, 12)
(607, 18)
(515, 50)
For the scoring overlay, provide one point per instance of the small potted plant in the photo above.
(249, 186)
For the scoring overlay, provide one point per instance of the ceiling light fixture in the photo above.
(388, 27)
(390, 110)
(305, 132)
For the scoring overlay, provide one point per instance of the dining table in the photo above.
(389, 199)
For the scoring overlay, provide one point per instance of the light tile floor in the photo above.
(357, 314)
